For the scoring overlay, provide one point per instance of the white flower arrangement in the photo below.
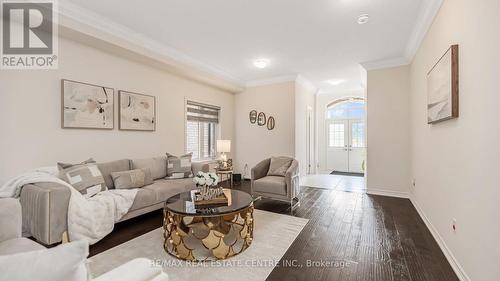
(206, 179)
(207, 184)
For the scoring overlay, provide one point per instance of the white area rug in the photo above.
(273, 235)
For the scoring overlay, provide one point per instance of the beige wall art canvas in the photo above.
(87, 106)
(137, 112)
(442, 88)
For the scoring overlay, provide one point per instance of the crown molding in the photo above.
(428, 12)
(387, 63)
(425, 17)
(307, 83)
(272, 80)
(74, 18)
(282, 79)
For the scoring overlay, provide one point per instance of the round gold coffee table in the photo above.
(207, 234)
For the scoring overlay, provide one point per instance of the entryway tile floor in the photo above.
(335, 182)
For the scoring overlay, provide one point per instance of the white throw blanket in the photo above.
(90, 219)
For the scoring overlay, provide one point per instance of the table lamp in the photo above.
(224, 146)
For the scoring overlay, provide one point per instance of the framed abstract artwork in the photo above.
(137, 112)
(86, 106)
(442, 88)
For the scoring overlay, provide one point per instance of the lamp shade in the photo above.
(223, 146)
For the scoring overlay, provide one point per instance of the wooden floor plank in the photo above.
(364, 237)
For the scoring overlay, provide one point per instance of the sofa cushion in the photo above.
(64, 262)
(114, 166)
(270, 184)
(18, 245)
(179, 167)
(62, 166)
(132, 179)
(279, 166)
(157, 166)
(144, 198)
(84, 177)
(167, 188)
(10, 219)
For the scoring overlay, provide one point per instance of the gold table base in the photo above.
(207, 238)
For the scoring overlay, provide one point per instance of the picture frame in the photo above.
(443, 88)
(86, 106)
(137, 112)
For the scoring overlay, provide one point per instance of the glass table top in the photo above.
(183, 204)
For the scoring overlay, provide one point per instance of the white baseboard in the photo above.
(444, 248)
(390, 193)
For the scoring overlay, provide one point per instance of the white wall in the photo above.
(30, 110)
(254, 143)
(456, 163)
(388, 133)
(322, 102)
(305, 99)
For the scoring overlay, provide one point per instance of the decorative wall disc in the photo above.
(271, 123)
(253, 116)
(261, 119)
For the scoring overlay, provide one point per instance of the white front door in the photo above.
(357, 145)
(346, 145)
(337, 156)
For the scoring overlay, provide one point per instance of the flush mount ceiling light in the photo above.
(335, 82)
(261, 63)
(364, 18)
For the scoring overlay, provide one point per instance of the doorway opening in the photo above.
(310, 141)
(346, 136)
(341, 146)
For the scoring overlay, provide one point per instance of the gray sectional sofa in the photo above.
(45, 205)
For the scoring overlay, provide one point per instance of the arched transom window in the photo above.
(350, 109)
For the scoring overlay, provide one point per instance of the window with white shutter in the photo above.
(201, 129)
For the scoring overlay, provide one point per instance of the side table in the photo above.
(228, 173)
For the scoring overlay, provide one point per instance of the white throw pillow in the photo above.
(65, 262)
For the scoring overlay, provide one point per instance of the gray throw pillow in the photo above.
(132, 179)
(179, 167)
(279, 166)
(84, 177)
(157, 166)
(107, 168)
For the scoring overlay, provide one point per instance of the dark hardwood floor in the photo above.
(349, 237)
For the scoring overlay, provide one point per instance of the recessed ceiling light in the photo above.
(261, 63)
(364, 18)
(335, 82)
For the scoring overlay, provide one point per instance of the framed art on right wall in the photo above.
(442, 88)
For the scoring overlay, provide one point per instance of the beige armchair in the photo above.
(280, 188)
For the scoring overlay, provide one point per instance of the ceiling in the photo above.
(318, 39)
